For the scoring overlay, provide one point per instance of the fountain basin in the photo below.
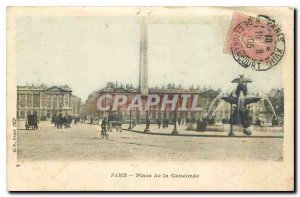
(234, 100)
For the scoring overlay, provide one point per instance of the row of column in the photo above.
(21, 96)
(57, 101)
(26, 100)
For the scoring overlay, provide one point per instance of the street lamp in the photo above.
(231, 122)
(138, 116)
(130, 124)
(147, 122)
(175, 132)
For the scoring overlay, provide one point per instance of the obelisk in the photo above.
(143, 80)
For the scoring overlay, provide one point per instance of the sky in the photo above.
(86, 52)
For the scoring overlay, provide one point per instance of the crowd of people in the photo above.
(63, 121)
(165, 122)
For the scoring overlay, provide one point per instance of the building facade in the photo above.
(45, 101)
(209, 104)
(75, 105)
(204, 99)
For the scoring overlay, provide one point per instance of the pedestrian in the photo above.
(148, 122)
(158, 123)
(203, 125)
(60, 122)
(103, 127)
(199, 124)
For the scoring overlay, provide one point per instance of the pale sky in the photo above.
(87, 52)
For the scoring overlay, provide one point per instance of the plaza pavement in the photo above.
(220, 130)
(82, 142)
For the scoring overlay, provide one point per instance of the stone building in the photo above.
(205, 98)
(44, 101)
(75, 105)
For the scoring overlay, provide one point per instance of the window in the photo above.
(23, 100)
(36, 100)
(60, 101)
(53, 99)
(47, 101)
(29, 100)
(22, 114)
(66, 103)
(66, 100)
(43, 100)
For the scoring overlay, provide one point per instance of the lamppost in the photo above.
(130, 126)
(138, 117)
(230, 122)
(147, 122)
(175, 132)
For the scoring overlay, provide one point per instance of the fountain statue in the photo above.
(239, 112)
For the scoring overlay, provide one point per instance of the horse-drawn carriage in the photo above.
(66, 121)
(62, 122)
(114, 122)
(31, 122)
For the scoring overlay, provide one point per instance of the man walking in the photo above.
(158, 123)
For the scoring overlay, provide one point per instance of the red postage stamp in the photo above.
(255, 42)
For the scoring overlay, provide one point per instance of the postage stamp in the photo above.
(255, 42)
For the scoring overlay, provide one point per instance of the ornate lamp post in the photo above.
(231, 123)
(147, 122)
(137, 116)
(130, 124)
(175, 132)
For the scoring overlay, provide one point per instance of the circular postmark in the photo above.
(258, 43)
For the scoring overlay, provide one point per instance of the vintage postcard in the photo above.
(150, 99)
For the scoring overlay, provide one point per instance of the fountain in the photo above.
(239, 112)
